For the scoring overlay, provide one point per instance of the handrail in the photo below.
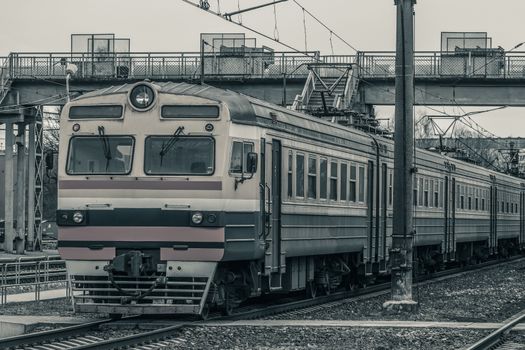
(30, 271)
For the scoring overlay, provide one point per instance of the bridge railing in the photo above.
(461, 64)
(164, 65)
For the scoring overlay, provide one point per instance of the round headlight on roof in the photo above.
(142, 97)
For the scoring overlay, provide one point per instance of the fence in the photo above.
(31, 271)
(461, 64)
(181, 65)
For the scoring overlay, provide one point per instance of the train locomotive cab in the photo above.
(150, 179)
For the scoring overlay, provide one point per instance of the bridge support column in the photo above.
(21, 166)
(9, 188)
(31, 187)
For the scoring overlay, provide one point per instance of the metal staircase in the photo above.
(5, 81)
(327, 89)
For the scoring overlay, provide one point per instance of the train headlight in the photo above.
(142, 97)
(196, 218)
(78, 217)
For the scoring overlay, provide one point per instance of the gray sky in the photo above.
(171, 25)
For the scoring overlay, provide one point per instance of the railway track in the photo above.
(498, 340)
(87, 336)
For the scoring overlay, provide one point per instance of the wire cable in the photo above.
(325, 26)
(275, 29)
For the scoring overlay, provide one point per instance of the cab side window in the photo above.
(239, 155)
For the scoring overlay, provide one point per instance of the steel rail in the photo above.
(148, 337)
(29, 339)
(496, 337)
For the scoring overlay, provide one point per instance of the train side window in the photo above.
(344, 181)
(431, 194)
(426, 202)
(312, 177)
(421, 192)
(353, 183)
(299, 178)
(323, 179)
(441, 195)
(290, 174)
(436, 195)
(415, 192)
(333, 181)
(240, 151)
(361, 184)
(458, 196)
(390, 188)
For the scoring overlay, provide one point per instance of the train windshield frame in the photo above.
(179, 155)
(100, 155)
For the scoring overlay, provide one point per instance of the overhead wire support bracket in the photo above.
(229, 15)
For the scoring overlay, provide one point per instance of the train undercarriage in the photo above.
(133, 284)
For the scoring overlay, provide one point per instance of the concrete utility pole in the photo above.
(403, 230)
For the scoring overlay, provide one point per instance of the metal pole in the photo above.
(31, 187)
(284, 90)
(202, 61)
(9, 188)
(403, 228)
(20, 189)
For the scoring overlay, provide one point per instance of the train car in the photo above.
(178, 198)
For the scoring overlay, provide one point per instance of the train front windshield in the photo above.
(100, 155)
(179, 155)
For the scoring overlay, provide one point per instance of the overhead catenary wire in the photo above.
(258, 32)
(305, 32)
(325, 26)
(276, 28)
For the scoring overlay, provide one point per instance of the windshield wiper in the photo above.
(167, 146)
(105, 145)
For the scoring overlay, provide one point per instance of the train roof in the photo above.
(242, 109)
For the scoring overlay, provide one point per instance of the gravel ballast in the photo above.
(481, 296)
(324, 338)
(53, 307)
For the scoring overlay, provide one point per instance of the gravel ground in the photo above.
(516, 337)
(324, 338)
(54, 307)
(485, 296)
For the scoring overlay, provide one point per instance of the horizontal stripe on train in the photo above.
(105, 254)
(154, 217)
(137, 233)
(138, 245)
(139, 185)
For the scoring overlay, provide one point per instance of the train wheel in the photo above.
(205, 311)
(311, 289)
(228, 307)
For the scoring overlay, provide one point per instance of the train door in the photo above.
(274, 257)
(449, 205)
(493, 237)
(522, 216)
(384, 208)
(455, 194)
(446, 209)
(370, 212)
